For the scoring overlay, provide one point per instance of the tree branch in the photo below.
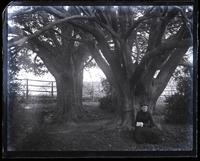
(100, 37)
(167, 70)
(25, 39)
(169, 45)
(136, 24)
(100, 61)
(137, 48)
(87, 62)
(109, 29)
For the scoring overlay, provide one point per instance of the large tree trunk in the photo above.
(69, 77)
(147, 95)
(79, 87)
(131, 105)
(127, 110)
(127, 113)
(132, 99)
(67, 99)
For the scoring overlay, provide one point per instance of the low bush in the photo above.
(179, 106)
(108, 103)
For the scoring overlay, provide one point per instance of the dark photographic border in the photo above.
(101, 154)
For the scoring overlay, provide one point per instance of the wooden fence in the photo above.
(26, 86)
(49, 89)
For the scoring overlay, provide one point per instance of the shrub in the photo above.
(179, 105)
(108, 103)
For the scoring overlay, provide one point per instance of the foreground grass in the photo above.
(96, 132)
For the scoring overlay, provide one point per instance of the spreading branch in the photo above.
(88, 62)
(161, 48)
(37, 33)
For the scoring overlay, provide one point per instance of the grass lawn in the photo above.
(95, 132)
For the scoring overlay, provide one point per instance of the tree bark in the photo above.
(79, 87)
(127, 113)
(67, 99)
(68, 73)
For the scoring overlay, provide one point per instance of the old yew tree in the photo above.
(137, 47)
(60, 49)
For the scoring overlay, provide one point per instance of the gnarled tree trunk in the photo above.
(68, 98)
(79, 87)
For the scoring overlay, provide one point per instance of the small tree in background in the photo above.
(179, 105)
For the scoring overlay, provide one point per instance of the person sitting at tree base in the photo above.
(146, 130)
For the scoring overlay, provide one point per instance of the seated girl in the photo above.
(146, 130)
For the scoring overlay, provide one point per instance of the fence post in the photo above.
(27, 89)
(92, 92)
(52, 89)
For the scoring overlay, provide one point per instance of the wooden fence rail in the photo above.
(168, 91)
(28, 85)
